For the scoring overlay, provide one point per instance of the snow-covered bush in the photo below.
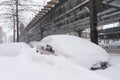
(74, 48)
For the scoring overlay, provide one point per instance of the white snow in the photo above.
(76, 49)
(21, 62)
(9, 49)
(34, 44)
(114, 45)
(113, 71)
(111, 45)
(117, 43)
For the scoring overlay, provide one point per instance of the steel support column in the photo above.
(93, 21)
(17, 20)
(41, 33)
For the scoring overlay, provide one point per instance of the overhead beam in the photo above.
(112, 14)
(43, 11)
(78, 6)
(46, 9)
(53, 2)
(107, 11)
(49, 6)
(112, 5)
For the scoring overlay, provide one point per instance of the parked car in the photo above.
(76, 49)
(114, 45)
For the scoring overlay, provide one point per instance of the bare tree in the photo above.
(15, 9)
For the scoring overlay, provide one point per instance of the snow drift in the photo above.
(9, 49)
(29, 65)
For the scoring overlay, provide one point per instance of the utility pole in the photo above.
(14, 28)
(14, 24)
(17, 21)
(93, 21)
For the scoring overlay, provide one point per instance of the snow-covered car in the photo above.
(76, 49)
(114, 45)
(105, 46)
(20, 62)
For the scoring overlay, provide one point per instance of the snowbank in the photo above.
(114, 45)
(76, 49)
(33, 44)
(113, 72)
(9, 49)
(29, 65)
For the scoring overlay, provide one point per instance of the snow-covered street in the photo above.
(25, 64)
(59, 39)
(58, 57)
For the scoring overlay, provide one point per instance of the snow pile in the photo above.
(33, 43)
(76, 49)
(9, 49)
(115, 60)
(116, 43)
(29, 65)
(103, 45)
(113, 72)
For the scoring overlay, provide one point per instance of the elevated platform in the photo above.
(64, 16)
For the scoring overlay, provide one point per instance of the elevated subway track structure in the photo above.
(64, 16)
(110, 33)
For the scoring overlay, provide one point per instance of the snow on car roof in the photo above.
(76, 49)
